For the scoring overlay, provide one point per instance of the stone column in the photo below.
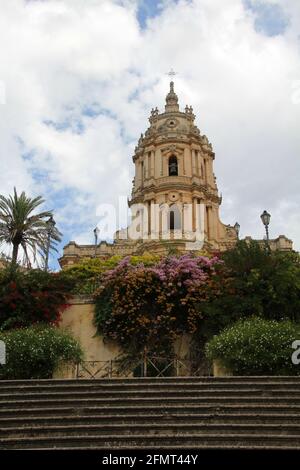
(139, 173)
(194, 214)
(158, 164)
(152, 163)
(193, 162)
(198, 163)
(149, 218)
(207, 225)
(205, 170)
(145, 166)
(184, 157)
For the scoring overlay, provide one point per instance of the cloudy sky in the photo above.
(78, 80)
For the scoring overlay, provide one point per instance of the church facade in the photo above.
(175, 200)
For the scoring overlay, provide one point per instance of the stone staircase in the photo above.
(151, 413)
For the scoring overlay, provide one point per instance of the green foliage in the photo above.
(256, 347)
(88, 273)
(34, 353)
(253, 281)
(262, 283)
(33, 296)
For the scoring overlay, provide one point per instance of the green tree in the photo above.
(20, 226)
(263, 283)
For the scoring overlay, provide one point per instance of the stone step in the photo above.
(153, 380)
(94, 385)
(224, 408)
(151, 413)
(114, 441)
(179, 393)
(150, 428)
(125, 402)
(158, 418)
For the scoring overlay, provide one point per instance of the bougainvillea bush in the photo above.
(33, 296)
(35, 352)
(150, 306)
(256, 347)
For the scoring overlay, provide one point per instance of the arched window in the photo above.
(173, 166)
(174, 219)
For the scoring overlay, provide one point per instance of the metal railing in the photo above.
(145, 367)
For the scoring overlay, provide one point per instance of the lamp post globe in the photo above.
(96, 233)
(265, 218)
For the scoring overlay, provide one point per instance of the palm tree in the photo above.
(21, 228)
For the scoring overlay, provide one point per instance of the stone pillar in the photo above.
(193, 162)
(213, 222)
(146, 166)
(154, 221)
(210, 176)
(149, 218)
(158, 164)
(205, 170)
(152, 163)
(198, 161)
(194, 214)
(207, 225)
(139, 173)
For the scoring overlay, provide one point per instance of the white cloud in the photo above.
(89, 69)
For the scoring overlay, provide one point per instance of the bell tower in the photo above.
(173, 171)
(174, 168)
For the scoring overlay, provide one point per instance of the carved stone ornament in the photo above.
(173, 196)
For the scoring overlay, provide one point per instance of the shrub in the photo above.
(88, 273)
(34, 353)
(256, 347)
(150, 306)
(33, 296)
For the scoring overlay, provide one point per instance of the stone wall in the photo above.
(78, 320)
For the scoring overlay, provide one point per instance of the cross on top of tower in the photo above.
(172, 73)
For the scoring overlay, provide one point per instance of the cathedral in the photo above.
(174, 198)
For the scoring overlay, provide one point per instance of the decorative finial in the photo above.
(172, 73)
(171, 98)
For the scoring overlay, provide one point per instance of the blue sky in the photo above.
(270, 18)
(85, 76)
(148, 9)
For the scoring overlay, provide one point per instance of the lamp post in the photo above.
(50, 227)
(96, 233)
(265, 218)
(237, 229)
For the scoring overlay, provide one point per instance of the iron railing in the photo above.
(145, 367)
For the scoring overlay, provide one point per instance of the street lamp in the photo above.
(96, 233)
(265, 218)
(237, 229)
(50, 227)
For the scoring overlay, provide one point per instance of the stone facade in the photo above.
(173, 171)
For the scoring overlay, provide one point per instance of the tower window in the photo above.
(174, 219)
(173, 166)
